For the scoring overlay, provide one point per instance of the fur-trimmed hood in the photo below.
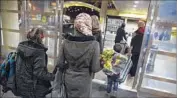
(80, 38)
(76, 46)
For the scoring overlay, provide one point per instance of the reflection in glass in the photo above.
(159, 85)
(50, 45)
(163, 66)
(160, 69)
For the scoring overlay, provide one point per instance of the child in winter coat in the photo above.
(113, 69)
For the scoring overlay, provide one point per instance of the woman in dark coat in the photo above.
(136, 46)
(121, 34)
(80, 57)
(97, 31)
(32, 76)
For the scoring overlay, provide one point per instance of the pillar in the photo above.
(46, 6)
(126, 19)
(103, 13)
(10, 21)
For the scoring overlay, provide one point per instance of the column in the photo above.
(10, 21)
(103, 13)
(126, 19)
(46, 6)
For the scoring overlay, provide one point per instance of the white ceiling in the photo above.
(130, 4)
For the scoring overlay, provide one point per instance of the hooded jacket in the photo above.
(31, 68)
(120, 35)
(82, 58)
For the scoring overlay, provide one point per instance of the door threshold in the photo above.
(123, 87)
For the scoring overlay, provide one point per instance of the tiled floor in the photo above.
(98, 91)
(164, 67)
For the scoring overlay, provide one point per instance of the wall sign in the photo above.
(113, 24)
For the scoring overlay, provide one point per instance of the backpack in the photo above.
(7, 74)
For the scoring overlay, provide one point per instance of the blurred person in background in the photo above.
(136, 43)
(79, 58)
(32, 76)
(97, 31)
(121, 34)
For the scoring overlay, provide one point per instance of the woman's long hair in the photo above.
(35, 35)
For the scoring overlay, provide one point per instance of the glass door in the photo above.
(158, 55)
(48, 16)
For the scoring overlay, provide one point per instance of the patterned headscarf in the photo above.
(83, 24)
(95, 24)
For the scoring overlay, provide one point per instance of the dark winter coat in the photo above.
(32, 76)
(136, 41)
(120, 35)
(82, 56)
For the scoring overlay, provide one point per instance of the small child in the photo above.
(118, 58)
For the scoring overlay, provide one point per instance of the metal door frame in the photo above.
(142, 61)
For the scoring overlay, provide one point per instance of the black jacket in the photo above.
(31, 68)
(136, 42)
(120, 35)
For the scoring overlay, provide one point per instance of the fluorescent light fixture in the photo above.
(136, 2)
(134, 5)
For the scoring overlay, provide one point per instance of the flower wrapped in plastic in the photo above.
(112, 60)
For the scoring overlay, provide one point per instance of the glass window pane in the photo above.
(159, 85)
(159, 35)
(109, 40)
(9, 4)
(8, 40)
(42, 6)
(163, 66)
(10, 21)
(41, 12)
(50, 45)
(50, 64)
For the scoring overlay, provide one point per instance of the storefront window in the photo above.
(159, 50)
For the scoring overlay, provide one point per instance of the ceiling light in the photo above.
(134, 5)
(136, 2)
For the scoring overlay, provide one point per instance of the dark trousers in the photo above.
(32, 95)
(39, 92)
(112, 83)
(134, 58)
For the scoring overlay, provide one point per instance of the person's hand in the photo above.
(55, 70)
(128, 54)
(102, 62)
